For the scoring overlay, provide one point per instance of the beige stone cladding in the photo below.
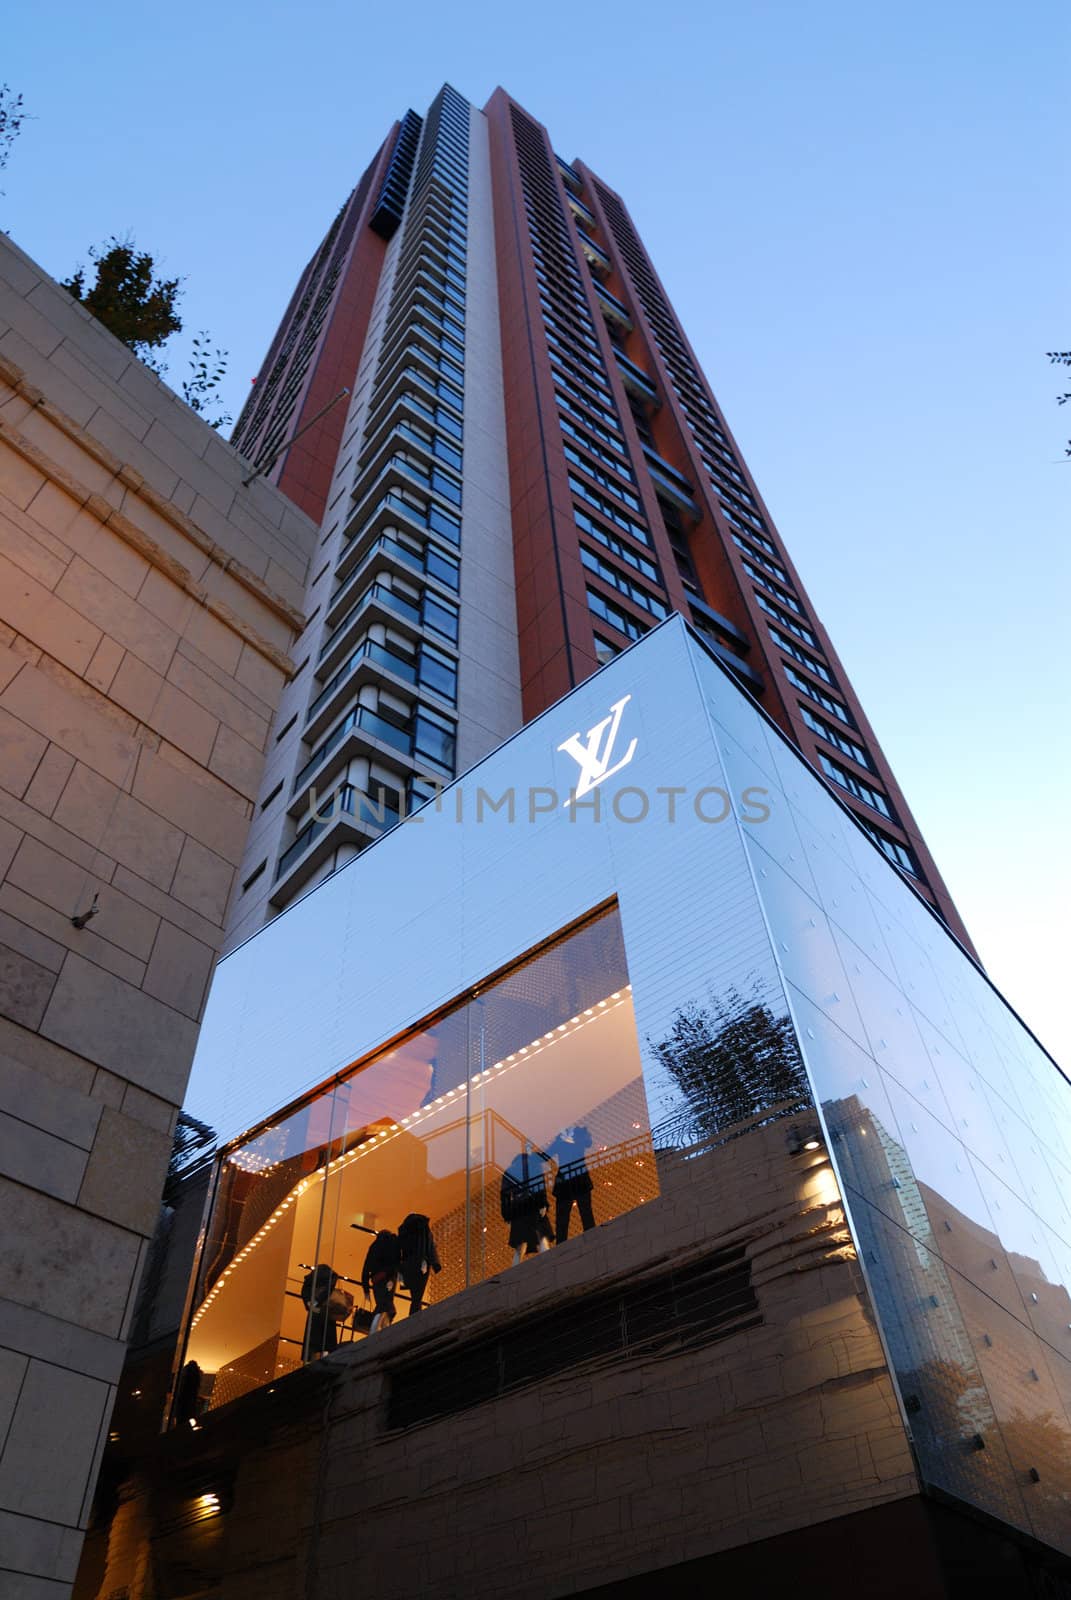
(669, 1448)
(148, 604)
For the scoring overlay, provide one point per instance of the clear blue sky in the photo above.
(879, 263)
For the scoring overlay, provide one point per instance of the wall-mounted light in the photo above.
(803, 1141)
(206, 1505)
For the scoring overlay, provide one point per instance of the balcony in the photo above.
(427, 669)
(388, 554)
(406, 381)
(570, 177)
(377, 603)
(349, 816)
(404, 459)
(378, 510)
(360, 727)
(709, 618)
(432, 273)
(596, 256)
(368, 663)
(671, 483)
(751, 679)
(613, 309)
(421, 300)
(635, 379)
(437, 367)
(581, 211)
(414, 408)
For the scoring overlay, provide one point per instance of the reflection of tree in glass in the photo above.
(194, 1141)
(732, 1060)
(951, 1412)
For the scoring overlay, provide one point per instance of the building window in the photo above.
(601, 478)
(847, 780)
(610, 541)
(254, 875)
(892, 848)
(613, 513)
(789, 646)
(785, 621)
(817, 695)
(623, 584)
(511, 1122)
(602, 608)
(848, 746)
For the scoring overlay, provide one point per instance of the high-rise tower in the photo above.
(532, 471)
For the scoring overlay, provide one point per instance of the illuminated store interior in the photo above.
(534, 1077)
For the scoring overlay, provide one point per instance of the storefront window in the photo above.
(504, 1128)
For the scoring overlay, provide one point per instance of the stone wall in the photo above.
(638, 1462)
(148, 606)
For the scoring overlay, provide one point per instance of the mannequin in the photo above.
(380, 1274)
(418, 1256)
(524, 1202)
(321, 1327)
(572, 1181)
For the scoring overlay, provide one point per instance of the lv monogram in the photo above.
(594, 757)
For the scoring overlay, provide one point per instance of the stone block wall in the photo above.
(148, 606)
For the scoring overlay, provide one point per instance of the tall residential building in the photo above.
(531, 472)
(639, 1060)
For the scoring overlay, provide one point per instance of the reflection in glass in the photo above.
(255, 1317)
(735, 1063)
(951, 1133)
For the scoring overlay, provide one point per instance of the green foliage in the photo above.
(12, 116)
(1061, 358)
(208, 368)
(132, 303)
(140, 308)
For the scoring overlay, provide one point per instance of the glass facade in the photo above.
(642, 929)
(950, 1129)
(512, 1120)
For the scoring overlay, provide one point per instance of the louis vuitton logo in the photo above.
(594, 757)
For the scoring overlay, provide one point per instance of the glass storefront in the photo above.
(511, 1122)
(755, 954)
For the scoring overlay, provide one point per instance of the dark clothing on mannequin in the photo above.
(414, 1282)
(384, 1255)
(572, 1182)
(380, 1271)
(383, 1296)
(563, 1206)
(418, 1257)
(524, 1202)
(321, 1330)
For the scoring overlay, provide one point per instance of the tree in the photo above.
(12, 116)
(132, 303)
(1061, 358)
(140, 308)
(208, 369)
